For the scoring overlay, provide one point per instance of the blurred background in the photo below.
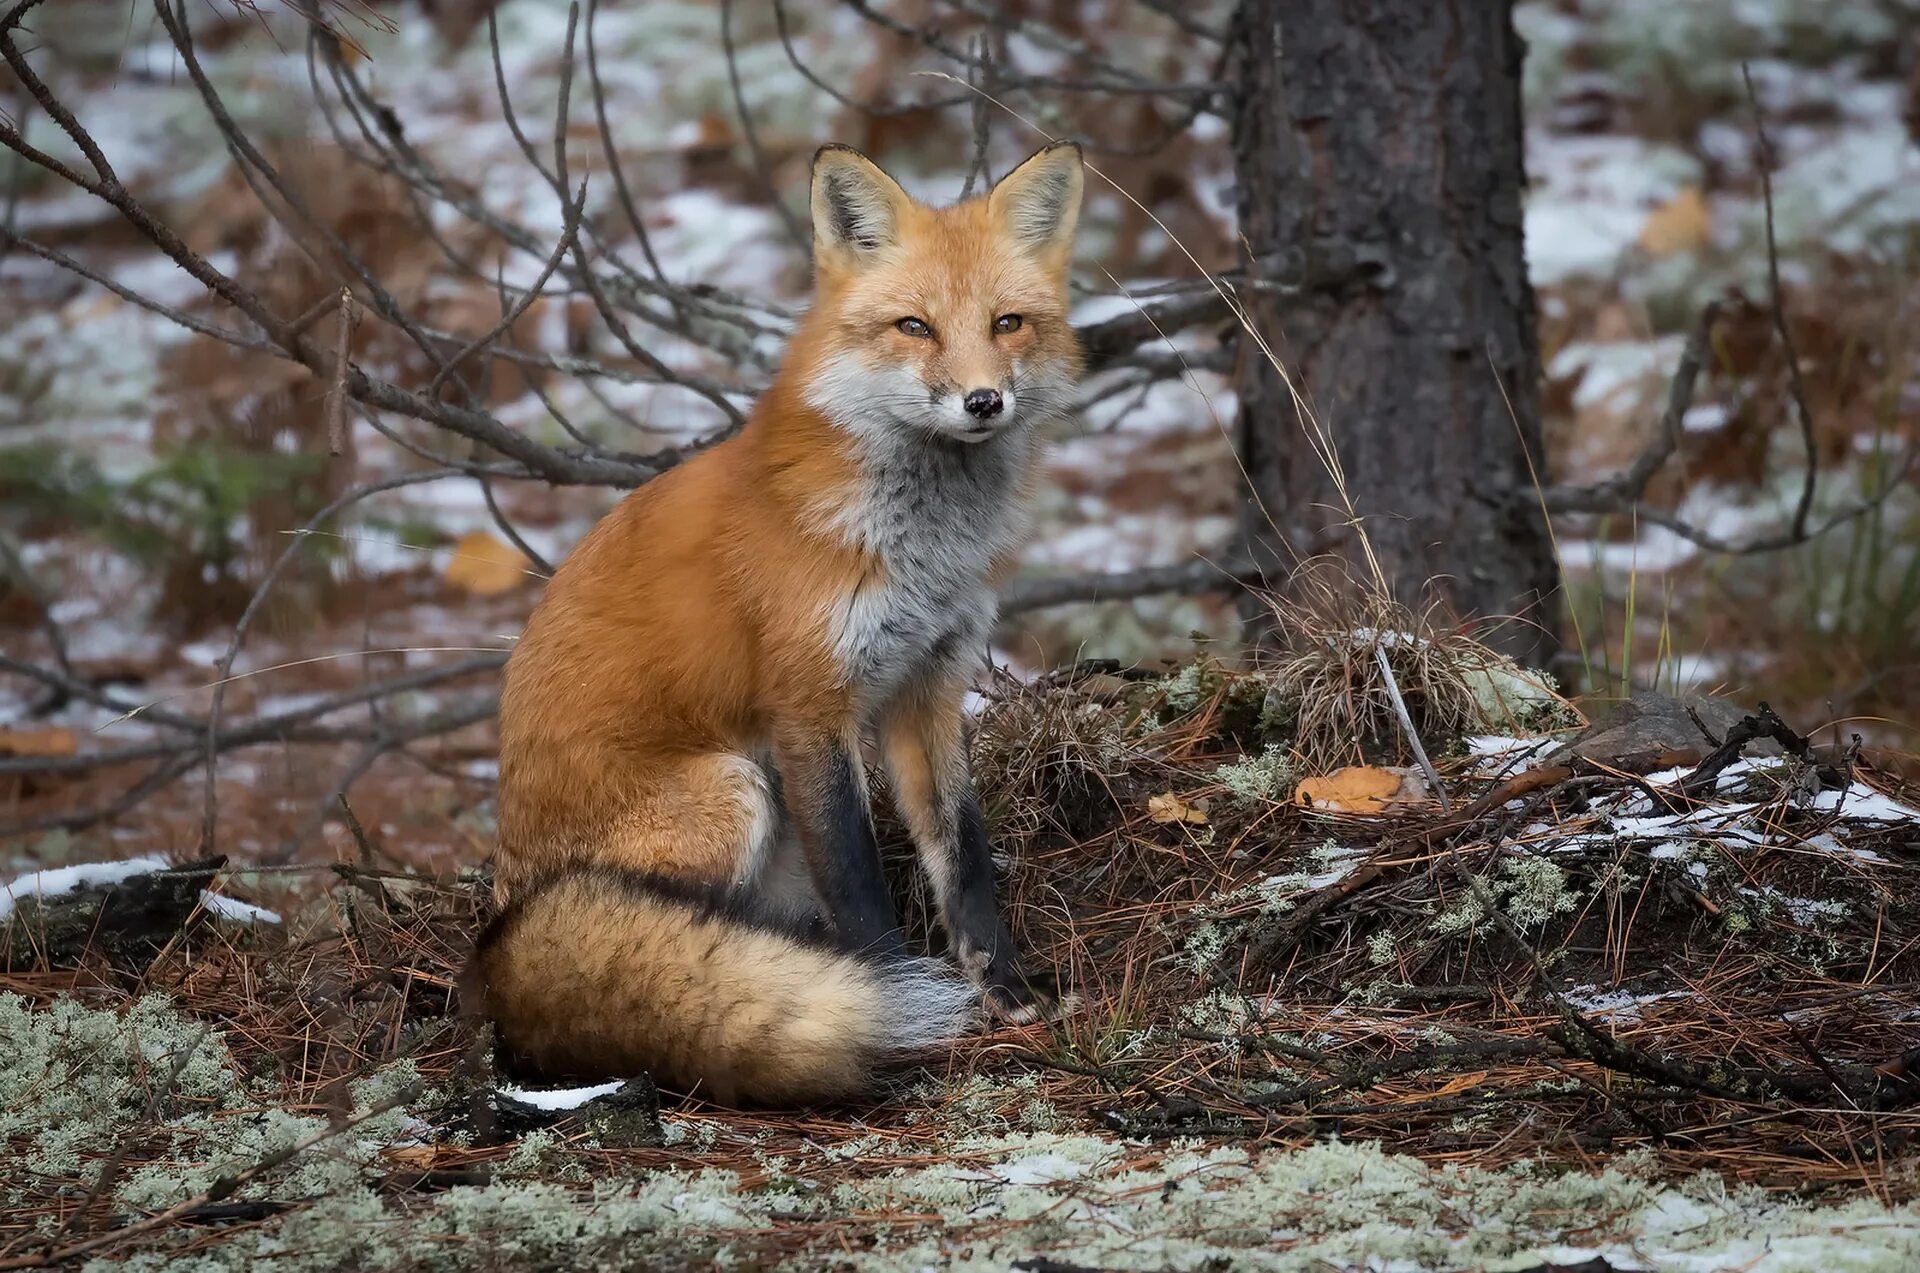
(153, 477)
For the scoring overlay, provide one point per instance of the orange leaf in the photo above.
(52, 741)
(486, 567)
(1167, 807)
(1681, 224)
(1359, 789)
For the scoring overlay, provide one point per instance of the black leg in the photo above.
(836, 826)
(982, 943)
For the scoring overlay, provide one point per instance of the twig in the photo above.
(1625, 488)
(802, 237)
(982, 78)
(1796, 384)
(337, 391)
(358, 832)
(1406, 726)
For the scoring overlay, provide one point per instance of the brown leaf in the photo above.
(1167, 807)
(486, 567)
(419, 1157)
(54, 740)
(1681, 224)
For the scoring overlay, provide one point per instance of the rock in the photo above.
(129, 921)
(628, 1118)
(1655, 722)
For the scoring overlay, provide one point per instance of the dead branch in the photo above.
(1625, 488)
(1765, 163)
(1185, 578)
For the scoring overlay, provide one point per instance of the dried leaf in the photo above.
(486, 567)
(52, 741)
(1681, 224)
(1359, 789)
(419, 1157)
(1167, 807)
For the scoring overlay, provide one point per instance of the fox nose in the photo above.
(983, 404)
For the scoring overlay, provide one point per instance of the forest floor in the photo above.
(1654, 1009)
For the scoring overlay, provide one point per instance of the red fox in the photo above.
(687, 869)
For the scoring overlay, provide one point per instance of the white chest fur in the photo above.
(934, 514)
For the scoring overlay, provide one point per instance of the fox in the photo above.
(687, 877)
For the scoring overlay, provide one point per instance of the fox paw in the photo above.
(1017, 998)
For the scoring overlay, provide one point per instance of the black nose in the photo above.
(983, 404)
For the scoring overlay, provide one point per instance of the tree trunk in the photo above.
(1379, 154)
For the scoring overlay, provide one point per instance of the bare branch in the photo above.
(1108, 343)
(1765, 163)
(1228, 575)
(1627, 486)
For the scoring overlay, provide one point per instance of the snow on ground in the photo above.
(58, 881)
(65, 879)
(560, 1098)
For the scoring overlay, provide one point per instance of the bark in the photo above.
(1378, 149)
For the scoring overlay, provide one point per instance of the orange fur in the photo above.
(700, 631)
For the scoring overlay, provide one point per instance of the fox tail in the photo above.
(600, 973)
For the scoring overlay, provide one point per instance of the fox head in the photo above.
(949, 323)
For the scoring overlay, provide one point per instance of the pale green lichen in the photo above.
(1187, 689)
(73, 1078)
(700, 1133)
(1530, 891)
(984, 1107)
(996, 1200)
(1511, 699)
(1226, 920)
(1383, 947)
(75, 1082)
(1258, 779)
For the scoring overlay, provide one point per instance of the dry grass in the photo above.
(1346, 649)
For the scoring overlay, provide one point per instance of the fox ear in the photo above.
(856, 207)
(1038, 203)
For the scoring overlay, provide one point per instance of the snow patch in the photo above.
(65, 879)
(236, 911)
(60, 880)
(560, 1098)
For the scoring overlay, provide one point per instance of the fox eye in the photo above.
(915, 327)
(1006, 323)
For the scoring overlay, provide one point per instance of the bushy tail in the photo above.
(602, 973)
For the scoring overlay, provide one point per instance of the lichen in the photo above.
(1228, 919)
(1257, 779)
(1530, 891)
(1383, 947)
(73, 1079)
(981, 1107)
(1092, 1201)
(1508, 697)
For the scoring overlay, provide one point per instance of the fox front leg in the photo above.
(826, 791)
(927, 760)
